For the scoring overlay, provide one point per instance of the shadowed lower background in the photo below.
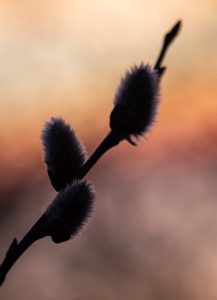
(153, 234)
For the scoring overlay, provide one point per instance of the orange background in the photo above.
(153, 234)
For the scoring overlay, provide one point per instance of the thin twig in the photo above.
(111, 140)
(168, 39)
(16, 250)
(40, 229)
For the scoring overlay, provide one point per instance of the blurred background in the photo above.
(153, 234)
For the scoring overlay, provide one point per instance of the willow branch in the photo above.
(40, 228)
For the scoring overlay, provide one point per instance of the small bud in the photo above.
(63, 153)
(173, 32)
(135, 102)
(69, 211)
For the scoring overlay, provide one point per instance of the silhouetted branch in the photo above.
(130, 117)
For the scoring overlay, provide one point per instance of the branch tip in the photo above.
(168, 39)
(173, 32)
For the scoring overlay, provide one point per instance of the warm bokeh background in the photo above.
(154, 233)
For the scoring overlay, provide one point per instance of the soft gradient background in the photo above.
(154, 232)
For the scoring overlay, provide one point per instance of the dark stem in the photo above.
(169, 37)
(110, 141)
(16, 250)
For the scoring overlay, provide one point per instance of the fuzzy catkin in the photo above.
(135, 102)
(69, 211)
(63, 152)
